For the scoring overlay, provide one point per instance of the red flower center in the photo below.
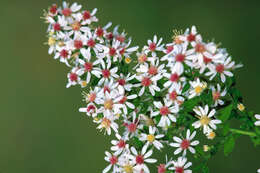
(216, 95)
(113, 160)
(173, 95)
(56, 27)
(110, 36)
(191, 38)
(53, 9)
(161, 168)
(123, 100)
(139, 159)
(64, 53)
(122, 51)
(78, 44)
(92, 97)
(152, 46)
(179, 170)
(73, 77)
(152, 70)
(131, 127)
(90, 108)
(91, 43)
(185, 144)
(66, 12)
(86, 15)
(174, 77)
(106, 73)
(164, 111)
(121, 82)
(106, 89)
(220, 68)
(146, 81)
(200, 48)
(169, 49)
(112, 51)
(121, 143)
(100, 32)
(88, 66)
(180, 57)
(206, 60)
(120, 38)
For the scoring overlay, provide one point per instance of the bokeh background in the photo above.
(41, 130)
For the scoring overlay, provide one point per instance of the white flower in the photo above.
(197, 88)
(125, 100)
(113, 160)
(217, 94)
(133, 126)
(107, 73)
(77, 42)
(185, 144)
(63, 53)
(175, 94)
(205, 119)
(151, 138)
(87, 66)
(119, 145)
(162, 168)
(166, 111)
(67, 10)
(180, 166)
(258, 170)
(177, 57)
(257, 123)
(222, 69)
(141, 159)
(173, 78)
(73, 78)
(107, 123)
(124, 81)
(153, 69)
(153, 46)
(90, 110)
(89, 17)
(149, 82)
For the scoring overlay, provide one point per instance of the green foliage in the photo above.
(229, 145)
(225, 113)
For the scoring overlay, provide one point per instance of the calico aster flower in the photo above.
(192, 34)
(87, 66)
(113, 160)
(217, 94)
(257, 123)
(64, 54)
(142, 158)
(107, 73)
(90, 110)
(119, 145)
(68, 10)
(153, 69)
(73, 78)
(197, 88)
(124, 81)
(89, 17)
(173, 79)
(154, 46)
(149, 82)
(223, 69)
(175, 93)
(151, 138)
(56, 25)
(125, 101)
(181, 165)
(162, 168)
(166, 112)
(185, 144)
(107, 123)
(132, 127)
(205, 119)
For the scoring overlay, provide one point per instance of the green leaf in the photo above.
(225, 129)
(224, 113)
(229, 145)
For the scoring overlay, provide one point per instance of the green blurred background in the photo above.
(41, 129)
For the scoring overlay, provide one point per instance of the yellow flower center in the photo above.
(51, 41)
(241, 107)
(61, 44)
(212, 135)
(106, 123)
(198, 89)
(84, 83)
(150, 138)
(76, 26)
(128, 60)
(204, 120)
(108, 104)
(128, 168)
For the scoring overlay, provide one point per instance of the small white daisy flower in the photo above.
(119, 145)
(185, 144)
(257, 123)
(180, 166)
(197, 88)
(205, 119)
(113, 160)
(151, 138)
(217, 94)
(154, 46)
(107, 123)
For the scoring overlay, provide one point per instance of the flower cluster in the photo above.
(158, 96)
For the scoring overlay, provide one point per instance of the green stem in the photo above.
(242, 132)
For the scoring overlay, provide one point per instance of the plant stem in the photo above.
(242, 132)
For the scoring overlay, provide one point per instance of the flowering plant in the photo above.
(160, 96)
